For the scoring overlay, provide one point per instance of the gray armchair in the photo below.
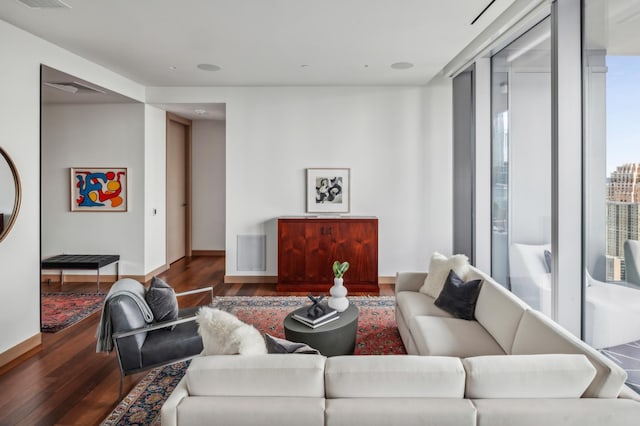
(141, 346)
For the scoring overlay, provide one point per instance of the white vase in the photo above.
(338, 299)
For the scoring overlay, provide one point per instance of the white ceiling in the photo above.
(262, 42)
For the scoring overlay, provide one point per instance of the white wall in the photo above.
(208, 184)
(7, 193)
(22, 55)
(155, 137)
(396, 140)
(108, 135)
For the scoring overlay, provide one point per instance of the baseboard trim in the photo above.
(387, 280)
(155, 272)
(82, 278)
(250, 279)
(20, 349)
(273, 279)
(104, 279)
(208, 253)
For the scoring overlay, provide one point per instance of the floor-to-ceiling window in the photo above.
(521, 166)
(611, 65)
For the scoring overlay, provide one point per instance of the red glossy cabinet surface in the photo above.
(307, 248)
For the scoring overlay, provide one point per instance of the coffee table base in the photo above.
(336, 338)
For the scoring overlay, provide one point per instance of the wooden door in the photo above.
(291, 251)
(177, 139)
(358, 244)
(320, 251)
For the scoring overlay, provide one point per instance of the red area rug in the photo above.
(377, 335)
(60, 310)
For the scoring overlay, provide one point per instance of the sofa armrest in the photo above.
(409, 281)
(152, 327)
(169, 410)
(627, 393)
(197, 291)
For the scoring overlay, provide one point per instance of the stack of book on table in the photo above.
(306, 316)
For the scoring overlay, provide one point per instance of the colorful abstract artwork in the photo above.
(98, 189)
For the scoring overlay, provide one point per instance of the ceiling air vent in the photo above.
(44, 4)
(74, 87)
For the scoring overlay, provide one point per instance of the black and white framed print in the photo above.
(328, 190)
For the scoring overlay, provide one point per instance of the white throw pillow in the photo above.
(439, 269)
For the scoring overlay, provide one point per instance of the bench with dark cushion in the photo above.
(82, 261)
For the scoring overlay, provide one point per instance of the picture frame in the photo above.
(328, 190)
(99, 189)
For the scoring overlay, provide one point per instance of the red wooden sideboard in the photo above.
(308, 246)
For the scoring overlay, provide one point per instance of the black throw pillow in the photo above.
(161, 298)
(459, 298)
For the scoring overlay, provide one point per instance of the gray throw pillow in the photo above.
(458, 297)
(276, 345)
(161, 298)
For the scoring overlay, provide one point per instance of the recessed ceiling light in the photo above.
(209, 67)
(401, 65)
(200, 111)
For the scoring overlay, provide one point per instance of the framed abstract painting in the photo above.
(99, 189)
(328, 190)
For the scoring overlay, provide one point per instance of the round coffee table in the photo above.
(335, 338)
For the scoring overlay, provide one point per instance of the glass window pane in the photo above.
(521, 166)
(612, 181)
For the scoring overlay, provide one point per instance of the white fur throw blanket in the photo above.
(135, 291)
(224, 334)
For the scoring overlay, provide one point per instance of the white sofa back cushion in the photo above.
(528, 376)
(298, 375)
(537, 334)
(388, 376)
(497, 310)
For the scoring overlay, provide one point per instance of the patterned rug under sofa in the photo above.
(61, 310)
(377, 335)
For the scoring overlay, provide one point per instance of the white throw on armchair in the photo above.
(612, 315)
(612, 311)
(528, 274)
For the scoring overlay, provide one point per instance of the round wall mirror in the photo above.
(9, 193)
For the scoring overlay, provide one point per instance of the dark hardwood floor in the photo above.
(65, 382)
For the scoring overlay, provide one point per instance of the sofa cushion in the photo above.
(399, 411)
(566, 412)
(458, 297)
(298, 375)
(412, 304)
(439, 268)
(452, 337)
(497, 310)
(528, 376)
(389, 376)
(537, 334)
(243, 411)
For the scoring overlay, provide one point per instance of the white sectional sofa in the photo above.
(511, 366)
(276, 389)
(504, 325)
